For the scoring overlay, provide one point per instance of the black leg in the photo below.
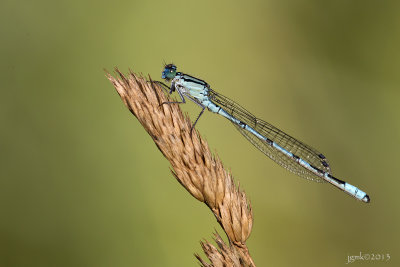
(198, 117)
(163, 86)
(173, 102)
(180, 94)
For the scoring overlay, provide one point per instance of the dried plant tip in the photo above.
(224, 256)
(193, 165)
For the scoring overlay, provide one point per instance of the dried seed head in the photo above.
(193, 165)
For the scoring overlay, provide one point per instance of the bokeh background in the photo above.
(82, 184)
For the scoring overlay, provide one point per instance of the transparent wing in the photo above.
(289, 143)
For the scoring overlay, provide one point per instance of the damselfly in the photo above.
(284, 149)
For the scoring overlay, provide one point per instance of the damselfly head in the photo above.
(169, 72)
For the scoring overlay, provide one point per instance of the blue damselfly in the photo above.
(284, 149)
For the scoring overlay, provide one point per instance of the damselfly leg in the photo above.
(162, 85)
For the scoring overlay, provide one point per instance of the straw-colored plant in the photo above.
(193, 165)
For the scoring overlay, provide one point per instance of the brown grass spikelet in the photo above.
(223, 255)
(193, 165)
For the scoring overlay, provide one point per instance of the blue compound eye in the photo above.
(169, 72)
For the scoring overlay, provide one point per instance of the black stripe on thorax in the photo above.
(188, 78)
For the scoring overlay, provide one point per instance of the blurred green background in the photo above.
(82, 184)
